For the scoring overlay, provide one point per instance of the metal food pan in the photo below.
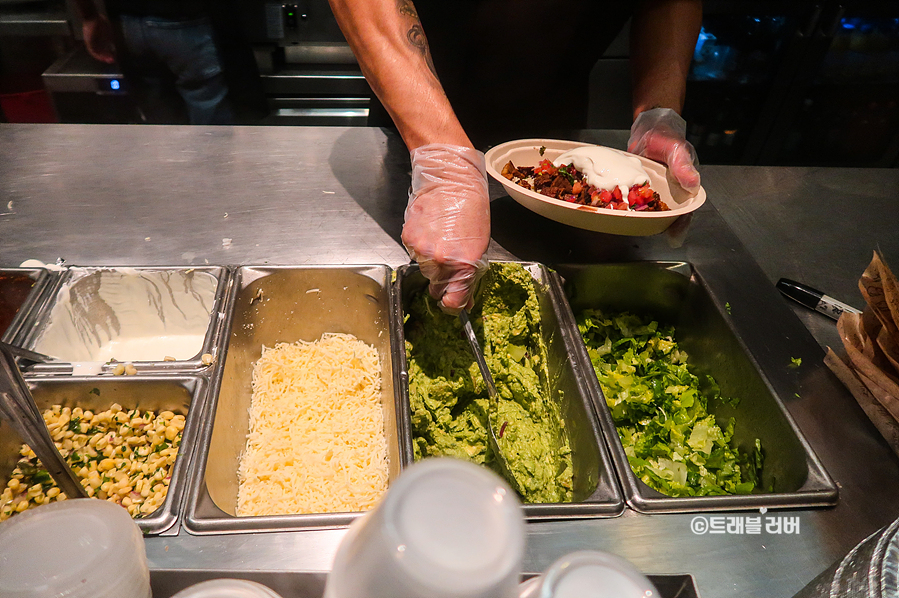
(181, 395)
(596, 493)
(20, 292)
(285, 304)
(674, 293)
(88, 308)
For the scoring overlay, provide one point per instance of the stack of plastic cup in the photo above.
(83, 548)
(589, 574)
(445, 529)
(869, 570)
(227, 588)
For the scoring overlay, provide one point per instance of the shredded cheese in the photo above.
(316, 442)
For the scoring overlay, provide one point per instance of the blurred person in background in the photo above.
(497, 70)
(184, 61)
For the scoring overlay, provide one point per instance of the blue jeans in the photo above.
(162, 55)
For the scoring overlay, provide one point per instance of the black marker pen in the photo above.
(814, 299)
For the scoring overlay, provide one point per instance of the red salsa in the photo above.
(566, 183)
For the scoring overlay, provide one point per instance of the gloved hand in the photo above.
(447, 221)
(660, 134)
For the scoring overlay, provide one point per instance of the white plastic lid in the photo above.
(594, 574)
(456, 525)
(227, 588)
(80, 547)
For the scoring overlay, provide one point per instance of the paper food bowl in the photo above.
(526, 152)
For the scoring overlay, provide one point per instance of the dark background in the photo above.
(799, 83)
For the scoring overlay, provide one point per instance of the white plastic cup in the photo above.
(227, 588)
(589, 574)
(78, 548)
(445, 529)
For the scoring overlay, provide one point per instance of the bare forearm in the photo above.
(663, 37)
(390, 45)
(86, 8)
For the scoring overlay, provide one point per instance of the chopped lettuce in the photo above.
(660, 409)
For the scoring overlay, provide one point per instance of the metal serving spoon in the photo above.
(501, 461)
(27, 354)
(17, 406)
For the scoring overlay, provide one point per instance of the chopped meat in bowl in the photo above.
(567, 183)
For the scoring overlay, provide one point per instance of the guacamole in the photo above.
(449, 399)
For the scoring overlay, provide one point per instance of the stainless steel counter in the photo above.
(140, 195)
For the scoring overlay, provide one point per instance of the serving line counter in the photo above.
(192, 196)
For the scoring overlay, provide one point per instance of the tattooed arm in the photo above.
(447, 221)
(390, 45)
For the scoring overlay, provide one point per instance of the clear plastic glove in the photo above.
(447, 221)
(660, 134)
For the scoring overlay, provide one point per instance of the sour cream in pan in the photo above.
(605, 168)
(129, 315)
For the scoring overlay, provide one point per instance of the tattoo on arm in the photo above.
(407, 9)
(415, 34)
(416, 37)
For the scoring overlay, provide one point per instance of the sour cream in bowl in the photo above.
(605, 168)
